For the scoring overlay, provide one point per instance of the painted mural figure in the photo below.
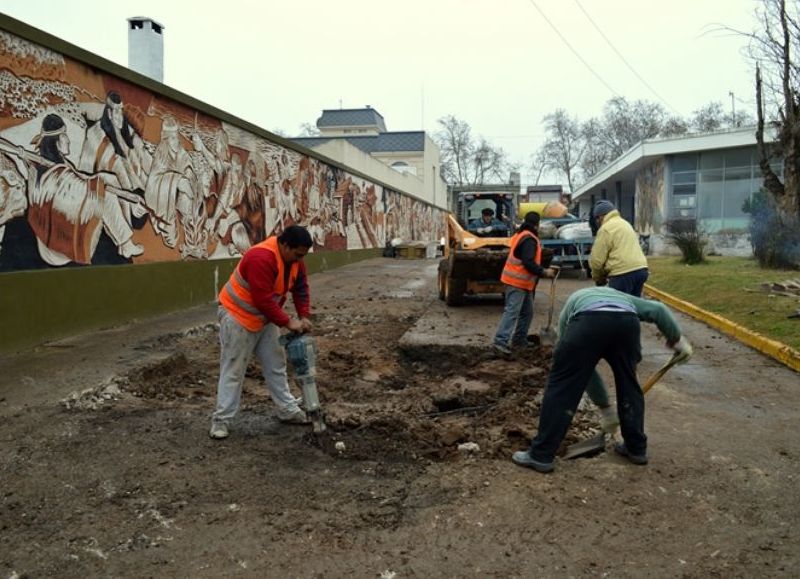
(13, 201)
(69, 209)
(169, 190)
(220, 161)
(365, 202)
(243, 226)
(113, 145)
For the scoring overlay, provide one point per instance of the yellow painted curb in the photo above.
(778, 350)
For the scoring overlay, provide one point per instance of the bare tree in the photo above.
(465, 160)
(775, 214)
(674, 127)
(596, 155)
(309, 130)
(624, 124)
(565, 144)
(538, 165)
(708, 118)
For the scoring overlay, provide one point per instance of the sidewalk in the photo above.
(53, 370)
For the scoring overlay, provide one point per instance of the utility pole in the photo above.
(734, 121)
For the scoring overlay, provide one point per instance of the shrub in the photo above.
(775, 238)
(690, 238)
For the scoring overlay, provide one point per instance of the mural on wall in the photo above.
(96, 170)
(650, 198)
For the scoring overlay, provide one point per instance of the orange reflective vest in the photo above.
(514, 273)
(236, 298)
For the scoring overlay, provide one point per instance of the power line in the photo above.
(575, 52)
(622, 58)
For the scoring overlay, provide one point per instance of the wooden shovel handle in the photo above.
(658, 374)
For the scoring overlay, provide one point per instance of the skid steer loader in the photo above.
(473, 260)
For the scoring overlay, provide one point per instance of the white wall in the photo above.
(358, 160)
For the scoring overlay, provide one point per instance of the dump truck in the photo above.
(473, 260)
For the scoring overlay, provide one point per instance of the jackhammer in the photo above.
(301, 351)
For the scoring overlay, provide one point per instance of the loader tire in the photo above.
(454, 291)
(442, 279)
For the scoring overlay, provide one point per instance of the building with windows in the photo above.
(704, 177)
(359, 139)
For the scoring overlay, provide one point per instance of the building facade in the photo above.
(706, 177)
(412, 154)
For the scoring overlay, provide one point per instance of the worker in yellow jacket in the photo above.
(617, 258)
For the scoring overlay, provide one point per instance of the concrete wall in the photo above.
(41, 306)
(121, 198)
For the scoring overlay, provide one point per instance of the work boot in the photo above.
(524, 458)
(622, 450)
(501, 350)
(219, 430)
(297, 416)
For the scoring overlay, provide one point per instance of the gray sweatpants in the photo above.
(236, 346)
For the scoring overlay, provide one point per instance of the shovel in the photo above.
(597, 444)
(547, 335)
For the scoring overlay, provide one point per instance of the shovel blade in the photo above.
(588, 447)
(548, 336)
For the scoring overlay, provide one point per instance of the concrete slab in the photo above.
(473, 325)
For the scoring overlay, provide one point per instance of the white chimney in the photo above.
(146, 47)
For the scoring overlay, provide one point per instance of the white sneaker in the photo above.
(219, 430)
(296, 417)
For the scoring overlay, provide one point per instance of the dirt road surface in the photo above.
(107, 470)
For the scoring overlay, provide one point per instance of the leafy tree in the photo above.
(467, 160)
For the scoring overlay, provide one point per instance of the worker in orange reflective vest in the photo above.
(250, 317)
(520, 274)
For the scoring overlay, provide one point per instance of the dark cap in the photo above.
(487, 211)
(531, 218)
(603, 207)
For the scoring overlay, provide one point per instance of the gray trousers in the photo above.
(236, 346)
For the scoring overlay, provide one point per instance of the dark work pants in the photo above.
(630, 283)
(590, 337)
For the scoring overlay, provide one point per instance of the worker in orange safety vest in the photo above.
(521, 272)
(251, 315)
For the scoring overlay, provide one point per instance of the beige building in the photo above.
(358, 138)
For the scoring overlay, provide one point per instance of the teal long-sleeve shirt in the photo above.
(647, 311)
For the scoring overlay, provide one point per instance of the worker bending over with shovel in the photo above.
(599, 323)
(250, 317)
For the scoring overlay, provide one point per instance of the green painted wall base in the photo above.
(44, 305)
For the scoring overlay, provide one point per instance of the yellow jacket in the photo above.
(616, 249)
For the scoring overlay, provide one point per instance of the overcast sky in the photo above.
(497, 64)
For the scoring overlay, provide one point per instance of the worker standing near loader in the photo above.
(597, 323)
(250, 317)
(616, 257)
(522, 270)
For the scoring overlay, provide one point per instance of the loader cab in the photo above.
(470, 207)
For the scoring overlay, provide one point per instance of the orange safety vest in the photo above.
(236, 298)
(514, 273)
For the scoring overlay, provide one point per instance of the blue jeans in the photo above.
(237, 345)
(630, 283)
(517, 318)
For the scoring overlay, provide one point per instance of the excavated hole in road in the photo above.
(381, 402)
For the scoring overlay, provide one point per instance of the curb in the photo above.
(777, 350)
